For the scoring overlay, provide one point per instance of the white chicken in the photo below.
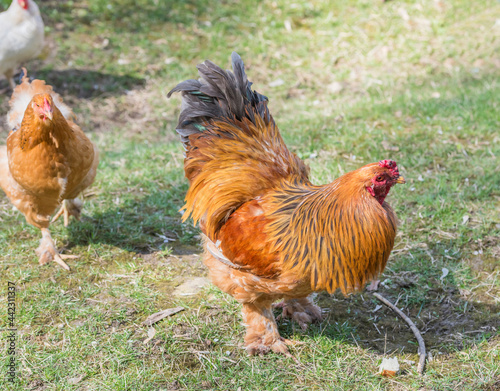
(21, 36)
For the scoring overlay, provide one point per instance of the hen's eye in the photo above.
(380, 178)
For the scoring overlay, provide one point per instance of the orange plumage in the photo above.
(268, 232)
(48, 160)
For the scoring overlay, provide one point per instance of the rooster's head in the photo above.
(380, 177)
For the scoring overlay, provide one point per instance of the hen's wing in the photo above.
(28, 204)
(87, 167)
(7, 183)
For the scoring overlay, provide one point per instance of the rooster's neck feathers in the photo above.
(337, 234)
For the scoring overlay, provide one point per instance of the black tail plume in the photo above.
(218, 95)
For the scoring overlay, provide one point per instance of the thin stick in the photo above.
(421, 343)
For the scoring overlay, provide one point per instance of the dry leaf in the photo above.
(151, 334)
(76, 380)
(152, 319)
(377, 308)
(389, 147)
(277, 83)
(335, 87)
(445, 273)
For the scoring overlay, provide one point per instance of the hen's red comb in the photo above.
(23, 4)
(391, 165)
(46, 105)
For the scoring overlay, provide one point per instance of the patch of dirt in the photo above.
(492, 386)
(187, 271)
(36, 385)
(191, 286)
(446, 320)
(186, 249)
(186, 266)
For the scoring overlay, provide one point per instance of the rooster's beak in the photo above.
(400, 179)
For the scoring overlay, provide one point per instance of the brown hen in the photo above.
(48, 160)
(269, 233)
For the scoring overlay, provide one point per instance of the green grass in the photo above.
(354, 82)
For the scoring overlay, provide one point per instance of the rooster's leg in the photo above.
(262, 331)
(47, 251)
(69, 208)
(302, 310)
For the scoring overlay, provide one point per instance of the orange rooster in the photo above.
(269, 233)
(47, 160)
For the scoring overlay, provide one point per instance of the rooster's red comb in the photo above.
(391, 165)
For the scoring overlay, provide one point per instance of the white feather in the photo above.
(21, 35)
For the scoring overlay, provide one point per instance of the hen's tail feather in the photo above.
(218, 95)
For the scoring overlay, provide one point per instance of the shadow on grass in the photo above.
(80, 83)
(142, 224)
(448, 319)
(87, 83)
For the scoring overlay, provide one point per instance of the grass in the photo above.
(349, 83)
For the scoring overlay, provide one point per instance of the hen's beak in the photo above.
(47, 109)
(401, 180)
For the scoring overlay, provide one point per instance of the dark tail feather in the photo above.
(219, 95)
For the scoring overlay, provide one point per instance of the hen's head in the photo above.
(379, 177)
(23, 3)
(43, 107)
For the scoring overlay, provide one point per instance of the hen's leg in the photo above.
(69, 208)
(302, 310)
(47, 251)
(262, 331)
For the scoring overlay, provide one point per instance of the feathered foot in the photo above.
(47, 251)
(262, 333)
(302, 310)
(69, 208)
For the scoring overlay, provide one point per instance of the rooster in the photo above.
(48, 160)
(21, 36)
(269, 233)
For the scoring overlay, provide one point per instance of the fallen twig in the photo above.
(421, 343)
(151, 319)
